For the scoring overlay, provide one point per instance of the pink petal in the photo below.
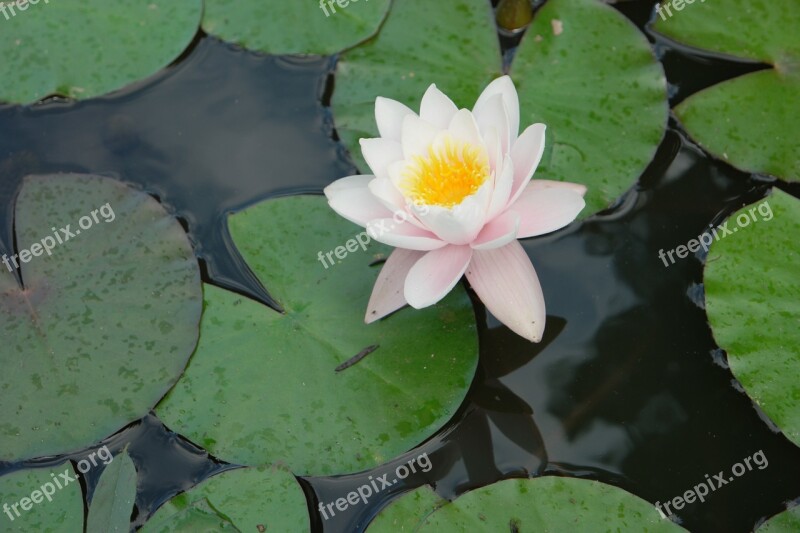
(351, 198)
(387, 294)
(506, 282)
(492, 115)
(499, 232)
(389, 115)
(435, 274)
(403, 235)
(380, 153)
(549, 184)
(526, 153)
(544, 210)
(437, 108)
(504, 86)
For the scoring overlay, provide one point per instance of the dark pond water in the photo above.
(628, 386)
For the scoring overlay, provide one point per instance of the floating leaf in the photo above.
(246, 499)
(752, 122)
(114, 497)
(262, 386)
(88, 48)
(540, 504)
(752, 292)
(51, 496)
(785, 522)
(296, 26)
(104, 324)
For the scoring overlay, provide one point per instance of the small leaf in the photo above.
(785, 522)
(114, 497)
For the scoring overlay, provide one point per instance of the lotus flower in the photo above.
(452, 191)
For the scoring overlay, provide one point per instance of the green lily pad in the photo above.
(114, 497)
(785, 522)
(88, 48)
(752, 122)
(525, 505)
(51, 505)
(599, 89)
(262, 386)
(246, 499)
(104, 324)
(752, 290)
(296, 26)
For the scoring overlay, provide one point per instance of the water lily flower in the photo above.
(452, 191)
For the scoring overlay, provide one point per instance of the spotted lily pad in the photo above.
(785, 522)
(752, 290)
(296, 26)
(113, 500)
(44, 499)
(525, 505)
(263, 386)
(87, 48)
(246, 499)
(752, 121)
(582, 68)
(107, 317)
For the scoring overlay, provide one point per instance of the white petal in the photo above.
(463, 127)
(459, 224)
(418, 135)
(502, 188)
(351, 198)
(492, 115)
(491, 140)
(544, 210)
(433, 276)
(380, 153)
(549, 184)
(507, 284)
(499, 232)
(389, 115)
(387, 294)
(385, 191)
(505, 87)
(526, 153)
(403, 235)
(437, 108)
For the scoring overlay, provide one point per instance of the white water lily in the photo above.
(452, 191)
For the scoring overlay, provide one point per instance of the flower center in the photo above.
(449, 173)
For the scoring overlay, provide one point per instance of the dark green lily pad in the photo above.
(296, 26)
(103, 326)
(49, 508)
(752, 122)
(262, 386)
(785, 522)
(525, 505)
(599, 89)
(92, 47)
(752, 290)
(114, 497)
(246, 499)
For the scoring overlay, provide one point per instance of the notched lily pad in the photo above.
(107, 317)
(753, 306)
(263, 386)
(46, 499)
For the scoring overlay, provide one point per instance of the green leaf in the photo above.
(246, 499)
(524, 505)
(453, 44)
(104, 324)
(262, 386)
(296, 26)
(60, 502)
(785, 522)
(600, 91)
(752, 122)
(751, 288)
(88, 48)
(114, 497)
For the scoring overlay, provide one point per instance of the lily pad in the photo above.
(114, 497)
(752, 304)
(525, 505)
(103, 326)
(785, 522)
(92, 47)
(753, 121)
(42, 505)
(296, 26)
(246, 499)
(262, 386)
(589, 74)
